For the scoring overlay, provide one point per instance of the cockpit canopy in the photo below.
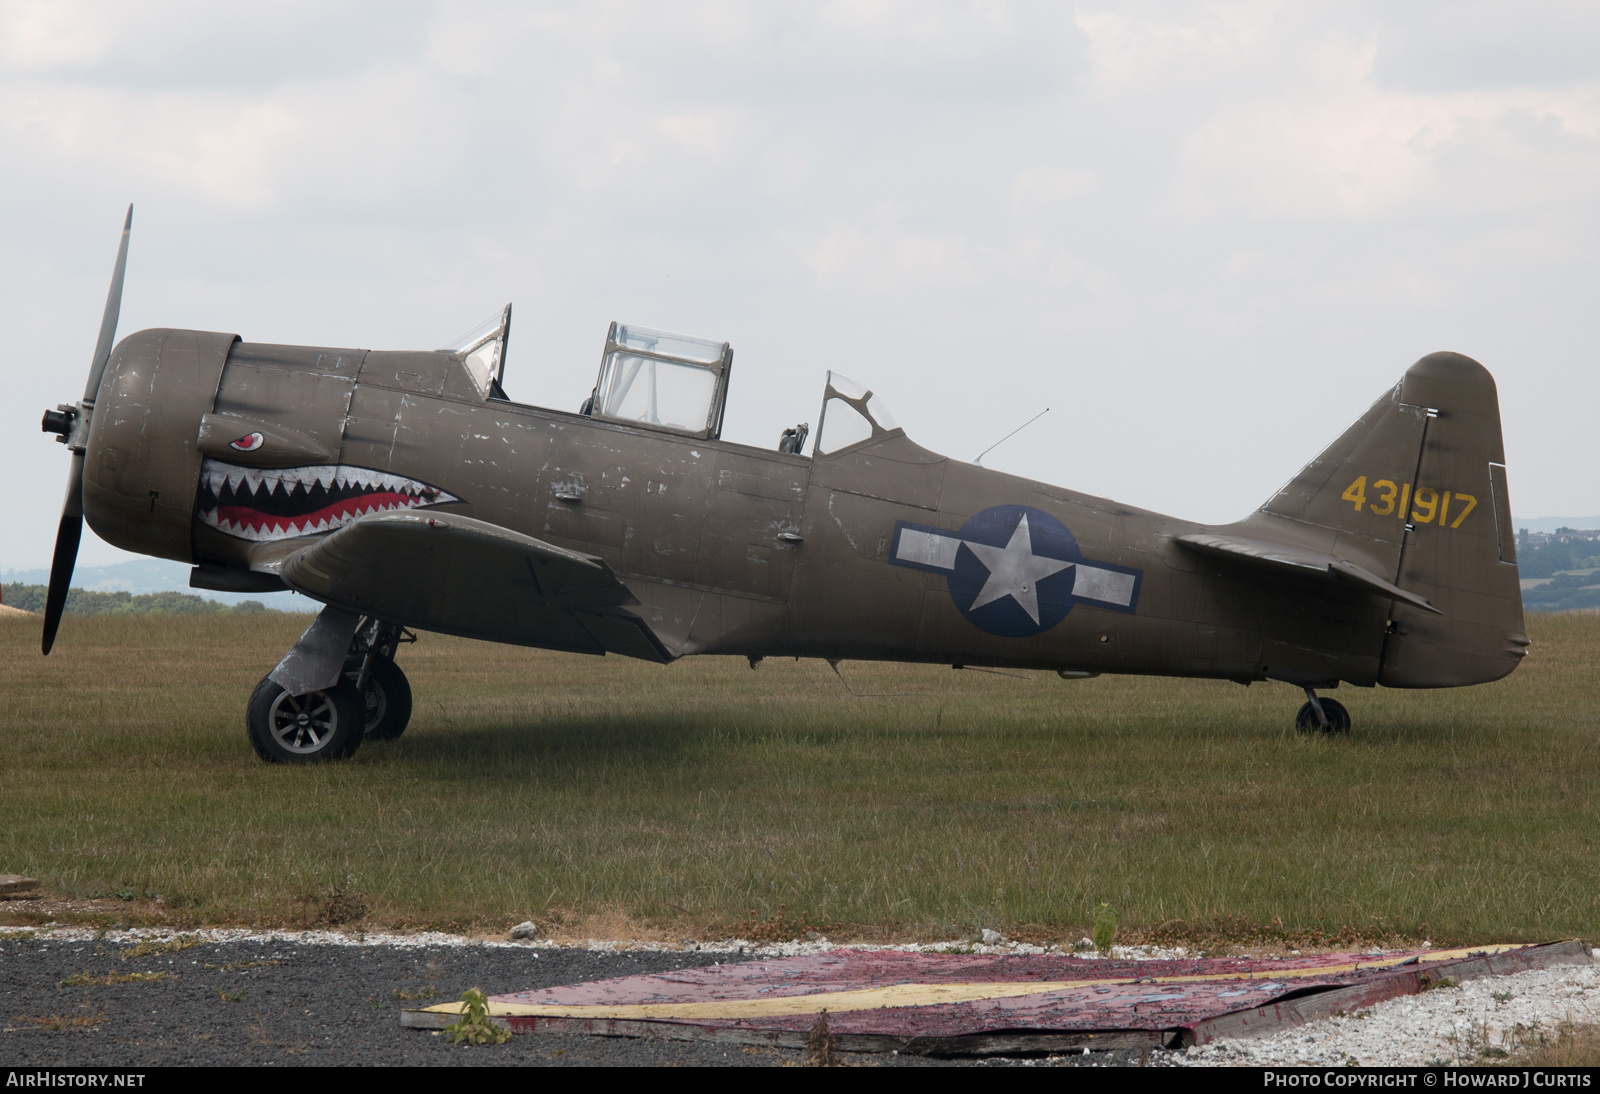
(678, 383)
(483, 351)
(671, 381)
(850, 415)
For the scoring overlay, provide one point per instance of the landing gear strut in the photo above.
(1327, 715)
(309, 710)
(370, 668)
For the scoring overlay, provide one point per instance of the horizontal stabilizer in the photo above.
(1293, 561)
(462, 576)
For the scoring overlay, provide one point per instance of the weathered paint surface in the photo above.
(893, 997)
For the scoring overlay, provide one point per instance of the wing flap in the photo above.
(458, 575)
(1304, 562)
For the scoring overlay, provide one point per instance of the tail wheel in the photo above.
(304, 729)
(386, 701)
(1338, 718)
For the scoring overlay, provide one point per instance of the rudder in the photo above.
(1459, 549)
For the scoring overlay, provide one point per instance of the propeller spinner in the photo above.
(71, 426)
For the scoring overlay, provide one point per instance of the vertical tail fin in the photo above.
(1416, 491)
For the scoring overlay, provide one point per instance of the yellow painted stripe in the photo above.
(915, 995)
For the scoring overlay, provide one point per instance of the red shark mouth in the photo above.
(282, 503)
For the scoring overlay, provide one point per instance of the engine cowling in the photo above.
(142, 460)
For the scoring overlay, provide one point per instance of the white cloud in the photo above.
(1127, 49)
(1040, 192)
(40, 35)
(878, 254)
(1341, 146)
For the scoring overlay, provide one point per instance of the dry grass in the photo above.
(1571, 1046)
(85, 979)
(609, 796)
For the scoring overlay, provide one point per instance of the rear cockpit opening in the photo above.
(851, 415)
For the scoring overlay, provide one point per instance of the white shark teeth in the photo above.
(329, 476)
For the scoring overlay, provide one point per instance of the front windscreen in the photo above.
(643, 389)
(482, 348)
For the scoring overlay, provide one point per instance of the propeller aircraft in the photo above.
(405, 491)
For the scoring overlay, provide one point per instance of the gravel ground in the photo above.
(70, 996)
(1446, 1025)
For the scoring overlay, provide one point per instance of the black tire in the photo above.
(309, 729)
(1306, 720)
(387, 699)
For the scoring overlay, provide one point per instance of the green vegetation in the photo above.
(1562, 593)
(30, 598)
(1105, 927)
(603, 797)
(1572, 569)
(474, 1027)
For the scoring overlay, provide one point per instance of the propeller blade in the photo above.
(108, 322)
(66, 556)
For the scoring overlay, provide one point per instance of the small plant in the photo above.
(819, 1045)
(234, 966)
(340, 905)
(1429, 983)
(152, 946)
(780, 928)
(1105, 928)
(59, 1022)
(1500, 996)
(427, 991)
(84, 979)
(231, 996)
(474, 1026)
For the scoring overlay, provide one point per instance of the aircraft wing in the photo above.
(462, 576)
(1293, 561)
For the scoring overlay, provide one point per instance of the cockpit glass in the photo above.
(842, 426)
(846, 386)
(643, 389)
(669, 345)
(483, 347)
(880, 414)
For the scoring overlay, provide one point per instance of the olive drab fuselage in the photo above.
(1386, 560)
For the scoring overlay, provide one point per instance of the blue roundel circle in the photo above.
(1014, 571)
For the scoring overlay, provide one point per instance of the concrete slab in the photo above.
(16, 886)
(955, 1004)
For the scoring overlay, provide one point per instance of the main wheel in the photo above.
(303, 729)
(1306, 720)
(386, 700)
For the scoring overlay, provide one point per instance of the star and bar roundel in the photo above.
(1014, 570)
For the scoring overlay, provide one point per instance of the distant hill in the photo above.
(30, 598)
(1550, 524)
(152, 575)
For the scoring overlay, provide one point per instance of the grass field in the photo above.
(607, 795)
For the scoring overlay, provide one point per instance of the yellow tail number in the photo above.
(1398, 501)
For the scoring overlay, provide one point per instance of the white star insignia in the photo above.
(1014, 570)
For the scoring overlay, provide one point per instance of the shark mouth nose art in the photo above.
(281, 503)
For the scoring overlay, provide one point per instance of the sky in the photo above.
(1205, 236)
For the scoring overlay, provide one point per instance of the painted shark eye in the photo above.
(248, 443)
